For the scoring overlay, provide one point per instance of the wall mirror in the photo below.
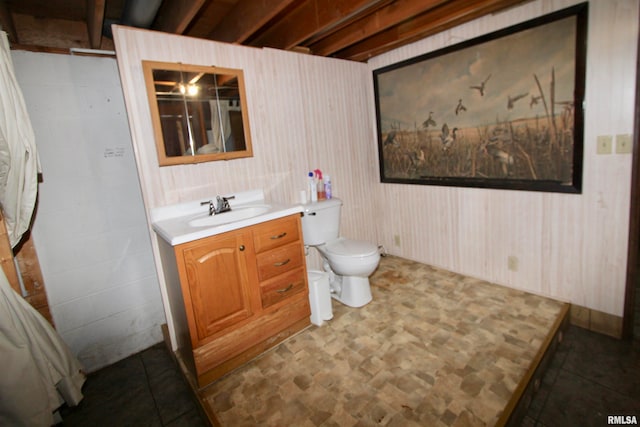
(199, 113)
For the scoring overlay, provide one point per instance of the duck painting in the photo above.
(480, 87)
(447, 138)
(460, 108)
(511, 101)
(390, 139)
(429, 121)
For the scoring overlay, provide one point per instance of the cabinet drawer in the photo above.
(279, 260)
(282, 287)
(276, 233)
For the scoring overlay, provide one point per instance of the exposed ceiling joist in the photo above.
(449, 15)
(349, 29)
(175, 16)
(246, 18)
(367, 26)
(311, 17)
(6, 22)
(95, 19)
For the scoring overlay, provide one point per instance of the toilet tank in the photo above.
(321, 221)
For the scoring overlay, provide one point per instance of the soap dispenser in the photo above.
(320, 185)
(327, 187)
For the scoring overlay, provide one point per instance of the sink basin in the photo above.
(235, 214)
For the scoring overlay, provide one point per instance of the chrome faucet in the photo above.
(221, 205)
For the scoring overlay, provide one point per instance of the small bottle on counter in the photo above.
(313, 188)
(327, 186)
(320, 185)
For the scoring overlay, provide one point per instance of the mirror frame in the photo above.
(148, 68)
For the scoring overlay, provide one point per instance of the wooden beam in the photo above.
(246, 18)
(6, 22)
(450, 15)
(175, 16)
(347, 21)
(95, 20)
(6, 257)
(27, 257)
(380, 20)
(311, 17)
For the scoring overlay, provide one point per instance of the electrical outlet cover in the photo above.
(623, 144)
(604, 144)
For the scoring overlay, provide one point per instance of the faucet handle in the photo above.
(210, 203)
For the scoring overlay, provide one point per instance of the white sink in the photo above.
(188, 221)
(235, 214)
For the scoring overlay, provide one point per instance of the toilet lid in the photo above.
(351, 247)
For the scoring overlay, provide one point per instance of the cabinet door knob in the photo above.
(241, 248)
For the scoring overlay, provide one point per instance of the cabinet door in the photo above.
(218, 282)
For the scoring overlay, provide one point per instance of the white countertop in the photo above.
(171, 223)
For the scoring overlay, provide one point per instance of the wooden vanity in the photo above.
(236, 294)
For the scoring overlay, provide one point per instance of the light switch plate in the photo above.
(623, 144)
(605, 143)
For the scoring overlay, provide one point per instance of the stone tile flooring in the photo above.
(590, 377)
(433, 348)
(146, 389)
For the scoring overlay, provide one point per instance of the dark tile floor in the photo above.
(146, 389)
(590, 377)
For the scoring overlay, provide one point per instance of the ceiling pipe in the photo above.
(135, 13)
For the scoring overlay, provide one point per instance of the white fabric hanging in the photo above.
(39, 373)
(19, 162)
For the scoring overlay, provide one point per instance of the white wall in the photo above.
(90, 227)
(570, 247)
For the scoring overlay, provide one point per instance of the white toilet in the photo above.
(349, 262)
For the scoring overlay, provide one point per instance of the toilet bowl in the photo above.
(351, 257)
(348, 262)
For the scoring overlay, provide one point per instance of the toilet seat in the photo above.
(343, 247)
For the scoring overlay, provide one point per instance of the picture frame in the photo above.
(503, 110)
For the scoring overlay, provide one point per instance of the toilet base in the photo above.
(352, 291)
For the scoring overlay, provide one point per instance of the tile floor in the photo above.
(590, 377)
(433, 348)
(146, 389)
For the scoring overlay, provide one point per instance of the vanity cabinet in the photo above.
(236, 294)
(217, 282)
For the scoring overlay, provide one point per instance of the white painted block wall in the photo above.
(90, 229)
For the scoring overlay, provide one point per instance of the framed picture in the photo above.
(504, 110)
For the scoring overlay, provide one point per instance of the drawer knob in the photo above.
(287, 289)
(280, 264)
(279, 236)
(241, 248)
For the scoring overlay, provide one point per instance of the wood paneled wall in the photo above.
(570, 247)
(306, 112)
